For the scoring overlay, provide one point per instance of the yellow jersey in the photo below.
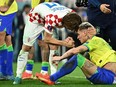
(36, 2)
(13, 8)
(100, 51)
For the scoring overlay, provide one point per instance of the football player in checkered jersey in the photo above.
(45, 17)
(27, 74)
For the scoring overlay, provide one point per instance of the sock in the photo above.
(29, 66)
(45, 66)
(21, 62)
(53, 65)
(68, 67)
(3, 57)
(9, 67)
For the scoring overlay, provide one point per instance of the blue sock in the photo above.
(9, 65)
(67, 68)
(3, 57)
(29, 65)
(45, 66)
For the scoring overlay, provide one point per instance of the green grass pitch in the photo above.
(75, 79)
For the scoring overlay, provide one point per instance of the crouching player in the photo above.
(27, 74)
(98, 69)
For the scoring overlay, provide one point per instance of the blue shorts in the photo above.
(6, 23)
(40, 36)
(103, 76)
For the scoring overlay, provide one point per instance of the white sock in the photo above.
(53, 65)
(21, 62)
(28, 71)
(44, 72)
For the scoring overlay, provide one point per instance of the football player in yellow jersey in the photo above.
(8, 9)
(99, 68)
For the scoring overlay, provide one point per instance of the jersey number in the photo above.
(51, 5)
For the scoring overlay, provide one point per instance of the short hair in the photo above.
(85, 25)
(71, 21)
(26, 6)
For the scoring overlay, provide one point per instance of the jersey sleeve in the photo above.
(51, 21)
(91, 45)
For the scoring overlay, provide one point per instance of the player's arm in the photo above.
(10, 2)
(5, 8)
(48, 39)
(71, 52)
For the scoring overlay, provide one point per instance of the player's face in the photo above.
(82, 36)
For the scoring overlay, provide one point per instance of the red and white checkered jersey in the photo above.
(48, 14)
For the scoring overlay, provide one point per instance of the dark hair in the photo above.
(81, 3)
(71, 21)
(26, 6)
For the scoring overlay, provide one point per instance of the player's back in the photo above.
(51, 8)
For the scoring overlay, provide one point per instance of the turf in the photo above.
(75, 79)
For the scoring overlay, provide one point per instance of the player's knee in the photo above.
(8, 40)
(26, 48)
(2, 36)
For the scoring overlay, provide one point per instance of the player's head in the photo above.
(86, 31)
(71, 21)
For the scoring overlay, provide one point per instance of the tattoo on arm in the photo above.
(88, 64)
(81, 50)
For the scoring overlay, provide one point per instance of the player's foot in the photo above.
(44, 78)
(17, 80)
(10, 77)
(26, 75)
(2, 77)
(57, 82)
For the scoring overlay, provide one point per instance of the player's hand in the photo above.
(104, 8)
(68, 39)
(56, 58)
(69, 42)
(3, 9)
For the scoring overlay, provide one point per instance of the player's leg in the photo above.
(31, 32)
(68, 67)
(53, 51)
(3, 56)
(6, 26)
(27, 74)
(9, 64)
(93, 73)
(53, 65)
(45, 54)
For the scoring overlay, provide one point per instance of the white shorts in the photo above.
(31, 33)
